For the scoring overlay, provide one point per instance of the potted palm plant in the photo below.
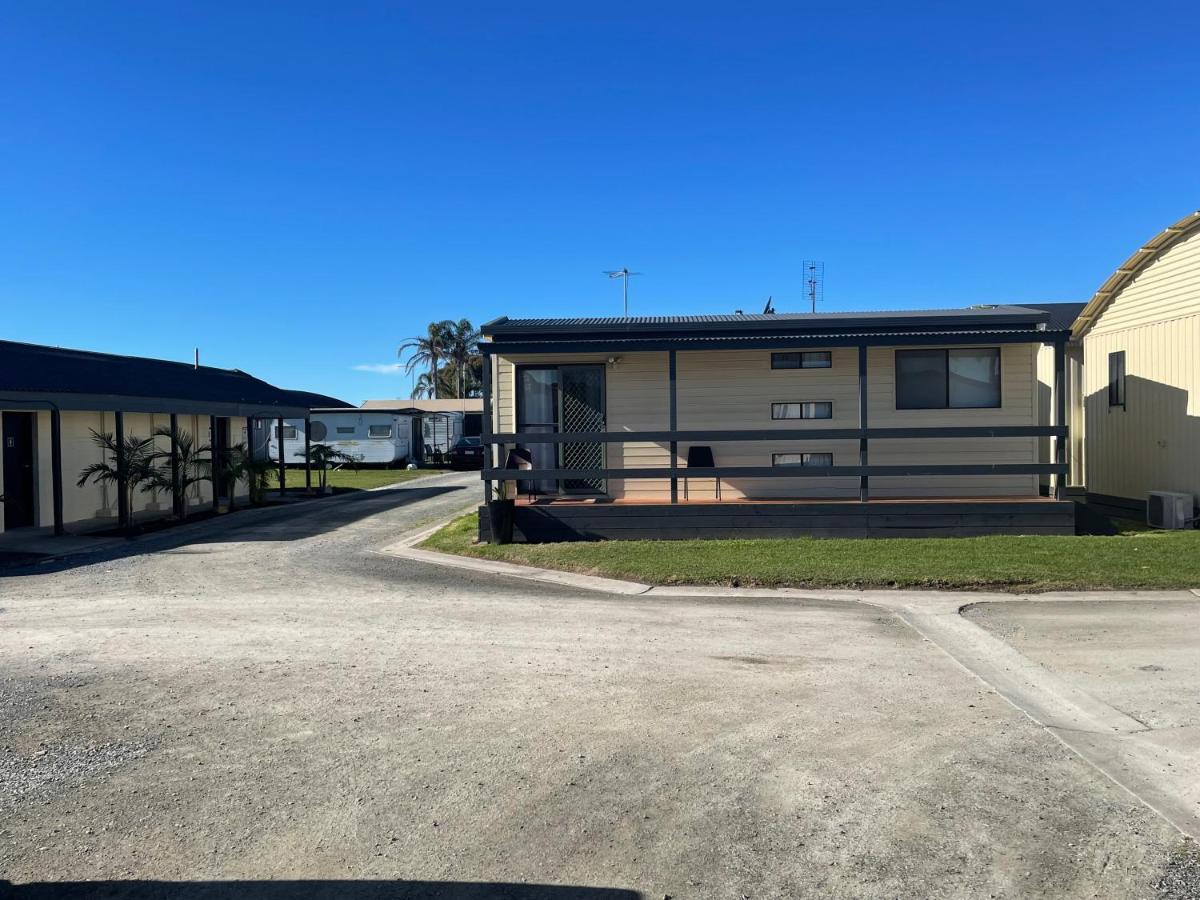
(132, 462)
(193, 466)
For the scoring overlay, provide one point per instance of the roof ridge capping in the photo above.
(1128, 270)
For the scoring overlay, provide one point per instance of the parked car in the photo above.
(467, 453)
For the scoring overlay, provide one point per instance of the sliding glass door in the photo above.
(563, 400)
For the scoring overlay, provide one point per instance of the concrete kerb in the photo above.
(1103, 737)
(894, 600)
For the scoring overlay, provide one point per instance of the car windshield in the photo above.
(469, 442)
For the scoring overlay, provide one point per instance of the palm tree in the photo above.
(463, 350)
(424, 387)
(428, 349)
(239, 464)
(256, 470)
(194, 465)
(321, 456)
(132, 461)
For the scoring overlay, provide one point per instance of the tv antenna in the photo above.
(624, 274)
(814, 281)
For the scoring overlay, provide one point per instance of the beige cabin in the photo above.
(880, 423)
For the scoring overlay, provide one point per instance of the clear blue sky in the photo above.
(298, 187)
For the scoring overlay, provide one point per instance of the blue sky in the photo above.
(298, 187)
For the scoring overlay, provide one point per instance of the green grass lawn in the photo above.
(351, 479)
(1129, 559)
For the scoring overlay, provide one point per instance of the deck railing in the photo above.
(673, 471)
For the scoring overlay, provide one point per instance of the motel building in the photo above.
(53, 399)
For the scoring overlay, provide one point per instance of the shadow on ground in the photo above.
(309, 890)
(292, 522)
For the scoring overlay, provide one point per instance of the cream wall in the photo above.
(1045, 403)
(734, 389)
(95, 505)
(1154, 442)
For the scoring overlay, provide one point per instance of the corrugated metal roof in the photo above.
(785, 340)
(1062, 315)
(442, 404)
(823, 317)
(1141, 258)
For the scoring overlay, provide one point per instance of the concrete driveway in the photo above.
(278, 700)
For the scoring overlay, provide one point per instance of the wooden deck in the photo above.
(598, 518)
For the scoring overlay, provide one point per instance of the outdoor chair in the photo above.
(520, 459)
(700, 457)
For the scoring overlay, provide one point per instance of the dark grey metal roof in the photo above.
(758, 323)
(318, 401)
(1062, 315)
(65, 377)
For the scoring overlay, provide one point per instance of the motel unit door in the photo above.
(17, 459)
(563, 399)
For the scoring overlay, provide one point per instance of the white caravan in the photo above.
(378, 438)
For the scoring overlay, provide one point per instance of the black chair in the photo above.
(521, 460)
(700, 457)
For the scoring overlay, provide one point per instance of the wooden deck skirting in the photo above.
(560, 519)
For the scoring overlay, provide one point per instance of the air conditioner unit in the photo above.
(1168, 509)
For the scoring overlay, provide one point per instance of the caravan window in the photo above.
(379, 431)
(289, 433)
(345, 429)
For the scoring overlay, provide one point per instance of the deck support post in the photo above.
(673, 424)
(282, 456)
(122, 470)
(863, 480)
(308, 455)
(177, 498)
(56, 476)
(214, 456)
(1060, 416)
(486, 427)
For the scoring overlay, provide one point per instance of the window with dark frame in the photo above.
(807, 359)
(345, 429)
(815, 460)
(289, 432)
(1116, 379)
(967, 378)
(807, 409)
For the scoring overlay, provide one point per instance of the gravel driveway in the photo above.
(276, 700)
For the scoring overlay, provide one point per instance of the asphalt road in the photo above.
(276, 700)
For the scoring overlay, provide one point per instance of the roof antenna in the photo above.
(624, 274)
(814, 281)
(769, 309)
(195, 357)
